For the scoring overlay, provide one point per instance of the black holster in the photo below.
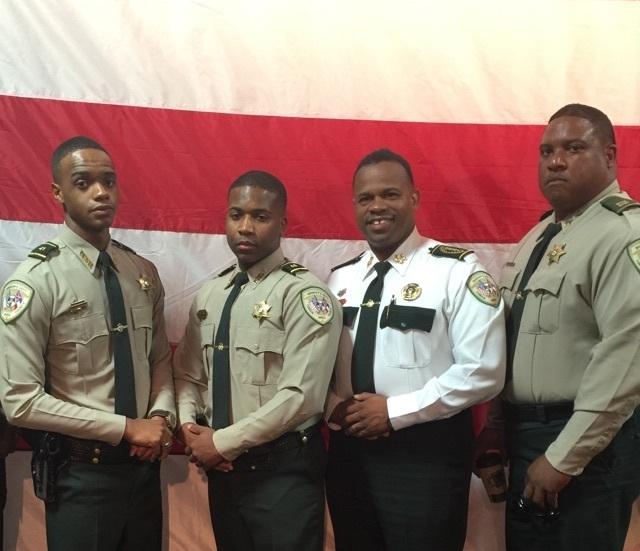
(46, 462)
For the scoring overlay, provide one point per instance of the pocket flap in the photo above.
(407, 317)
(141, 317)
(349, 314)
(547, 281)
(258, 341)
(81, 330)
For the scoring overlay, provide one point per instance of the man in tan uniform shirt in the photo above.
(58, 373)
(572, 433)
(257, 369)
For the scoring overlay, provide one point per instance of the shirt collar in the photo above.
(613, 187)
(85, 251)
(260, 269)
(400, 259)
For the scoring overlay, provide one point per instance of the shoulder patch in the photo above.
(44, 251)
(16, 296)
(619, 204)
(317, 304)
(450, 252)
(123, 247)
(545, 215)
(633, 250)
(226, 270)
(293, 268)
(483, 288)
(348, 262)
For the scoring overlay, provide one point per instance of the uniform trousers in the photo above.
(106, 508)
(406, 492)
(594, 508)
(277, 507)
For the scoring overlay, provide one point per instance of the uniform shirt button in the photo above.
(95, 460)
(96, 451)
(305, 439)
(253, 467)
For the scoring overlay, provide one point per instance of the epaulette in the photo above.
(226, 270)
(44, 251)
(123, 247)
(348, 262)
(293, 268)
(448, 251)
(545, 215)
(619, 204)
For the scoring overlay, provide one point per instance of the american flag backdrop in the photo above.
(186, 95)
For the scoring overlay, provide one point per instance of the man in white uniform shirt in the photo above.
(423, 340)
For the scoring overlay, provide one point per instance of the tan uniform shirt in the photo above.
(580, 329)
(282, 350)
(56, 364)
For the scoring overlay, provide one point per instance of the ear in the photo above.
(415, 197)
(611, 152)
(57, 193)
(283, 224)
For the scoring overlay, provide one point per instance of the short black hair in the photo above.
(381, 156)
(601, 123)
(263, 180)
(69, 146)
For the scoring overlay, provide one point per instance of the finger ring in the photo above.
(166, 444)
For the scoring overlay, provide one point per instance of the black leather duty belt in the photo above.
(536, 413)
(77, 450)
(264, 456)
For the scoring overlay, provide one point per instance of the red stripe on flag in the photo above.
(478, 182)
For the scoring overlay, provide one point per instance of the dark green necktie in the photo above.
(365, 344)
(221, 377)
(517, 307)
(125, 386)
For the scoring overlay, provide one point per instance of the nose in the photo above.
(100, 191)
(245, 225)
(378, 204)
(557, 160)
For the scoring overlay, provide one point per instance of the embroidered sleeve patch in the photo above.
(317, 304)
(483, 287)
(633, 250)
(16, 296)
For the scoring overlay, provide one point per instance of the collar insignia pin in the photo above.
(399, 258)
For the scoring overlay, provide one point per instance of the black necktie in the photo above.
(125, 386)
(517, 307)
(365, 343)
(221, 378)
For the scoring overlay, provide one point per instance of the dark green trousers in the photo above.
(595, 508)
(277, 509)
(407, 492)
(106, 508)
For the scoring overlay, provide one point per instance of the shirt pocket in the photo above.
(405, 338)
(542, 310)
(78, 342)
(258, 355)
(142, 320)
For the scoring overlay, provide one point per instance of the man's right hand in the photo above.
(147, 433)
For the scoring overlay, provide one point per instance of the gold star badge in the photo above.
(399, 258)
(261, 310)
(555, 253)
(145, 283)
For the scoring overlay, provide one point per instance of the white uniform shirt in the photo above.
(426, 373)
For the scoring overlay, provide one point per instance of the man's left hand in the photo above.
(367, 416)
(202, 450)
(543, 483)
